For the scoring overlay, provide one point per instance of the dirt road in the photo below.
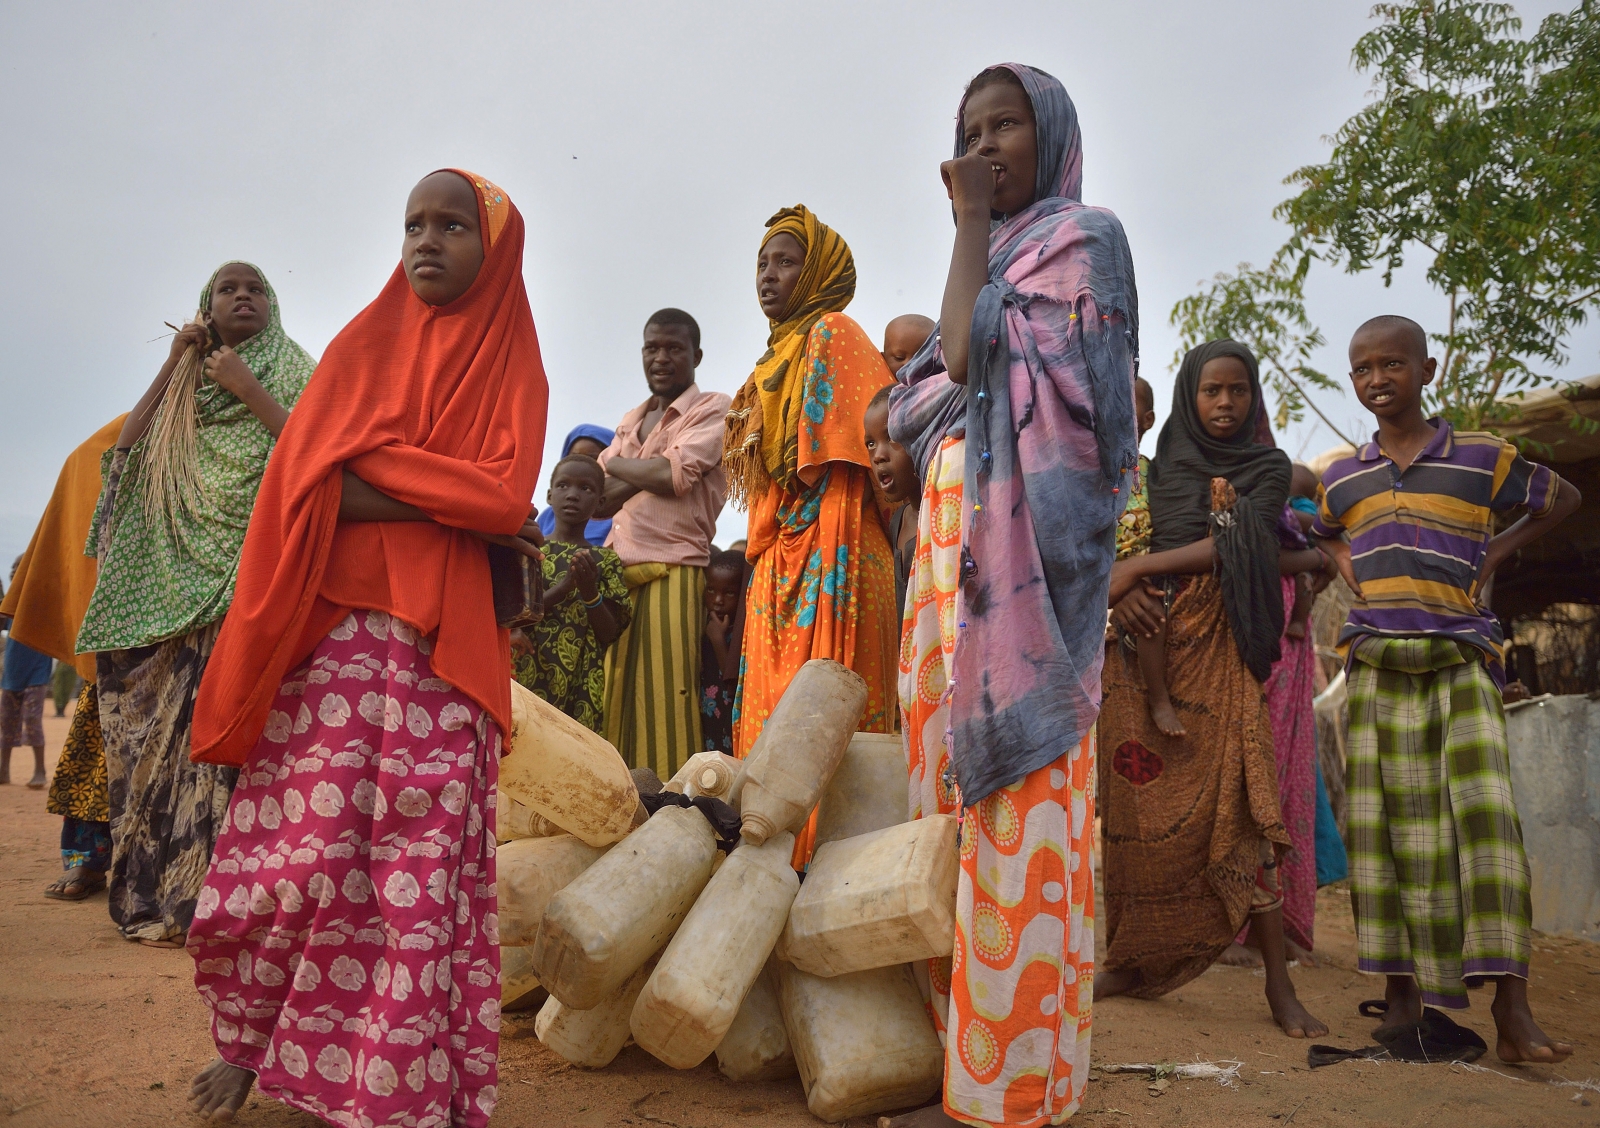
(99, 1033)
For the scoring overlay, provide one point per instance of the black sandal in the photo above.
(76, 884)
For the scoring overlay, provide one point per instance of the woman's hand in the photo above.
(1141, 611)
(195, 333)
(969, 181)
(586, 574)
(224, 367)
(1124, 574)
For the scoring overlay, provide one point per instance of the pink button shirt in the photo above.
(651, 528)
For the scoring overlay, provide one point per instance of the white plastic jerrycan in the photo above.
(566, 773)
(591, 1038)
(883, 898)
(623, 909)
(863, 1042)
(529, 872)
(868, 791)
(799, 748)
(716, 775)
(517, 981)
(718, 952)
(756, 1047)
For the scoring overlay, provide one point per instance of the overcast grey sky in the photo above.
(645, 144)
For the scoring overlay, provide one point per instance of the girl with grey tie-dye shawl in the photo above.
(1052, 448)
(1050, 451)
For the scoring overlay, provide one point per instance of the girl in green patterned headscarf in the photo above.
(164, 584)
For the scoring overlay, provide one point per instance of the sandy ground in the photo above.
(97, 1031)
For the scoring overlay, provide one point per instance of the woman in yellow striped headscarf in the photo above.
(823, 579)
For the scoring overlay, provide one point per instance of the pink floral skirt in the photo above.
(346, 937)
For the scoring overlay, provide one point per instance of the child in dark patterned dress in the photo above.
(719, 649)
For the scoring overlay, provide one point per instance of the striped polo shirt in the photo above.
(1417, 539)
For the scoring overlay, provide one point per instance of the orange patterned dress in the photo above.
(823, 578)
(1017, 994)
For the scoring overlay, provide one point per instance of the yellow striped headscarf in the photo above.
(762, 441)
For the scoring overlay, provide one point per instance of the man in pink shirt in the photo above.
(664, 490)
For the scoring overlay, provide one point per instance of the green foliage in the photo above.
(1482, 149)
(1264, 310)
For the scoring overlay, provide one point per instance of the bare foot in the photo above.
(220, 1089)
(1299, 955)
(1292, 1017)
(1166, 718)
(1295, 630)
(1238, 955)
(1109, 984)
(1405, 1002)
(38, 781)
(934, 1116)
(1520, 1039)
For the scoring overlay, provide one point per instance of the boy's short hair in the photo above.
(726, 561)
(671, 316)
(1140, 384)
(580, 460)
(1418, 334)
(880, 396)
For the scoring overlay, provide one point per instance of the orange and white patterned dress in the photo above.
(1013, 1003)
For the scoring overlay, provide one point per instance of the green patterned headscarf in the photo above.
(158, 582)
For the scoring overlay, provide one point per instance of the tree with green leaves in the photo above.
(1480, 152)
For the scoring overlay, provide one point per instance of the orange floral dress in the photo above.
(823, 578)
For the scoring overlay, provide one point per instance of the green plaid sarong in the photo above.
(1439, 879)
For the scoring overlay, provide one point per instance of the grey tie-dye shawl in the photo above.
(1052, 447)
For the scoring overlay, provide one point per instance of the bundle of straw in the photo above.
(169, 478)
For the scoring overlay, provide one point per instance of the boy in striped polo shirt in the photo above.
(1440, 881)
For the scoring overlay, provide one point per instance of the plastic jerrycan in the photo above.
(566, 773)
(883, 898)
(530, 871)
(863, 1042)
(717, 954)
(868, 791)
(716, 775)
(591, 1038)
(756, 1047)
(517, 980)
(623, 909)
(799, 747)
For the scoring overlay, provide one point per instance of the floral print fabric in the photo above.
(346, 938)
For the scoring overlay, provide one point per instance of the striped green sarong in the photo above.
(1439, 879)
(652, 713)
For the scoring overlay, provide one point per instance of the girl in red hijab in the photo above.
(346, 937)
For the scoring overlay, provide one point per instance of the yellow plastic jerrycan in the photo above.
(716, 955)
(799, 748)
(622, 910)
(566, 773)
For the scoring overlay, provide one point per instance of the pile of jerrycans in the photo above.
(640, 927)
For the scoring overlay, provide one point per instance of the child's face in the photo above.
(239, 304)
(1223, 396)
(591, 447)
(777, 270)
(1389, 369)
(575, 492)
(997, 121)
(891, 465)
(443, 248)
(1144, 402)
(724, 586)
(901, 340)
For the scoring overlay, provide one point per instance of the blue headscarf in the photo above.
(598, 528)
(1052, 443)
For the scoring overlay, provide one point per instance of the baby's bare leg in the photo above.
(1300, 616)
(1153, 665)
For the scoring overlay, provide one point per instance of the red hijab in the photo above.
(442, 407)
